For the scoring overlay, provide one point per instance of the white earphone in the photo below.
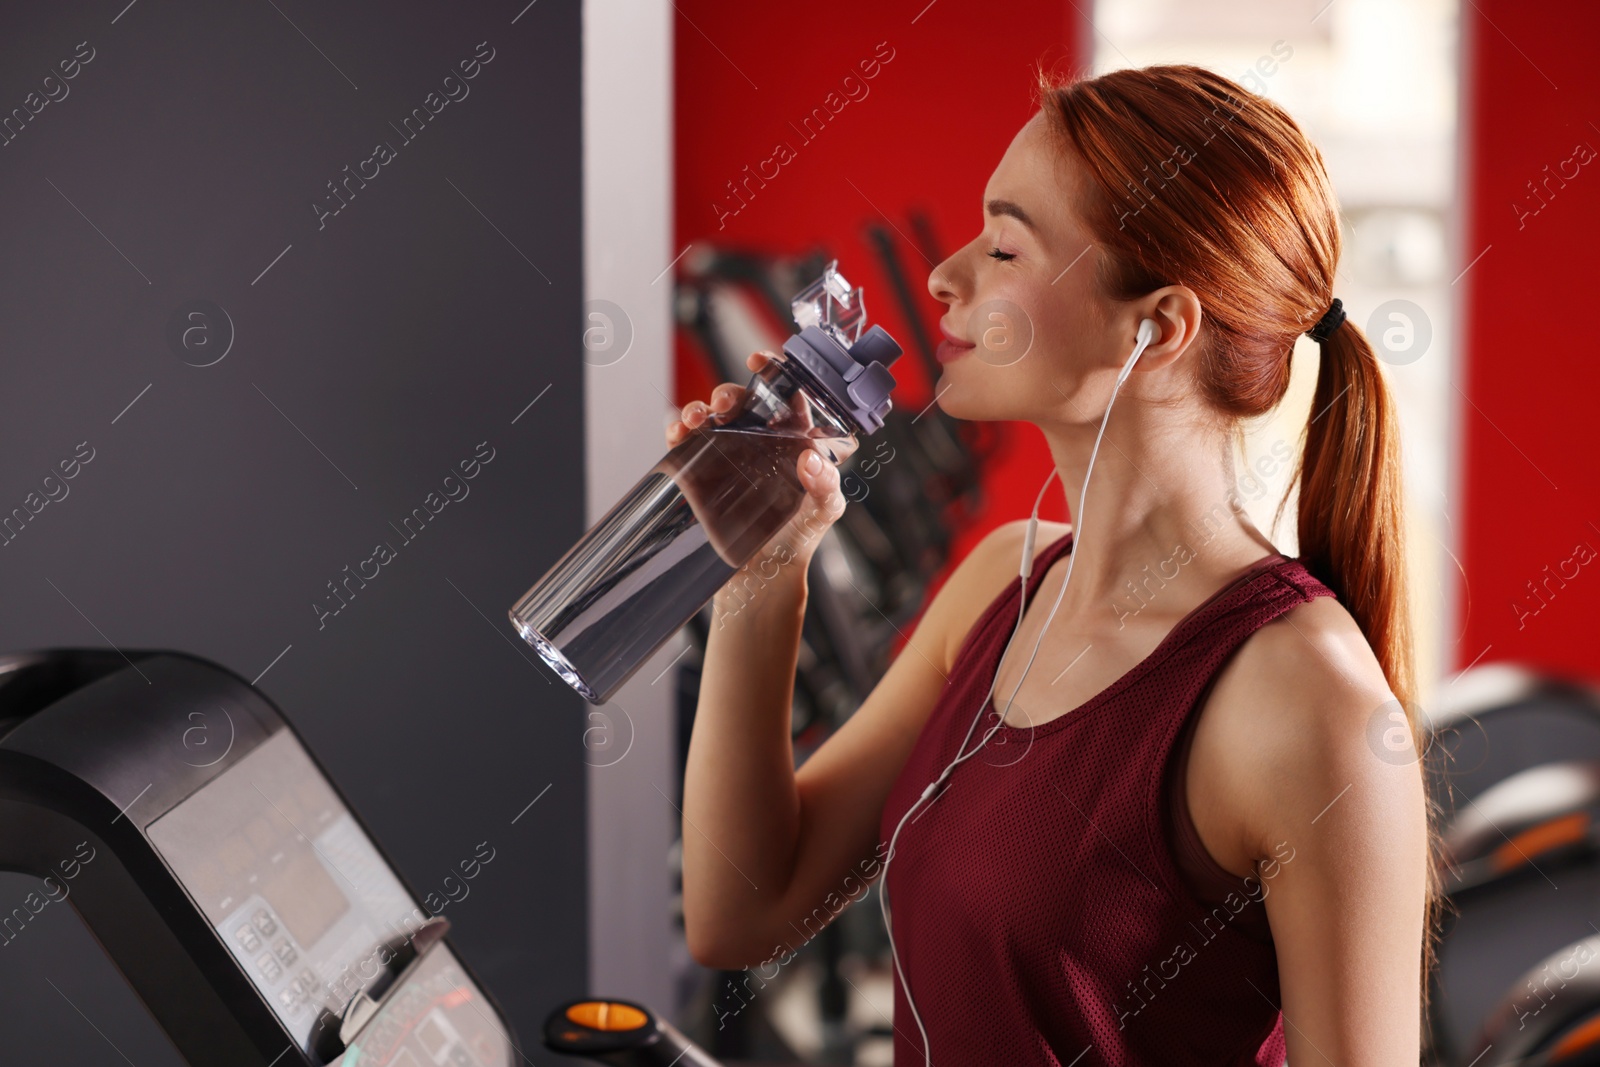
(1146, 335)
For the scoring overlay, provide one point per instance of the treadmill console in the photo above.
(244, 901)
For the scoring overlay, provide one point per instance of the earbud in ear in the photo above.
(1147, 334)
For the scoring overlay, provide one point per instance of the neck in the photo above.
(1162, 502)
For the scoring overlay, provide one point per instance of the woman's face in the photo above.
(1024, 294)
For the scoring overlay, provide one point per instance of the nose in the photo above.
(939, 283)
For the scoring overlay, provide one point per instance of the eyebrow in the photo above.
(1006, 207)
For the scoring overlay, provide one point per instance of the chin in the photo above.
(969, 400)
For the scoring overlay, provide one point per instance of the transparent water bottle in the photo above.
(700, 514)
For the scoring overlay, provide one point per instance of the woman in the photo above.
(1188, 837)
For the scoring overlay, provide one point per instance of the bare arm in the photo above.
(770, 854)
(1287, 778)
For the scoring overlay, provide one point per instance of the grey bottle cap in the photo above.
(856, 378)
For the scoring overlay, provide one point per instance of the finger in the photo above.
(821, 478)
(822, 508)
(724, 395)
(831, 498)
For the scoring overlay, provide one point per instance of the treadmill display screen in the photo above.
(292, 885)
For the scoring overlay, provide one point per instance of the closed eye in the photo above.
(1001, 256)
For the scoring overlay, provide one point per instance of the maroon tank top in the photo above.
(1040, 902)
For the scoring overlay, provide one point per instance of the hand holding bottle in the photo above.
(813, 494)
(735, 510)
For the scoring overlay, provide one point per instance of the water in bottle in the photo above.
(712, 502)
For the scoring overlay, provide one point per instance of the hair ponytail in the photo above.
(1350, 514)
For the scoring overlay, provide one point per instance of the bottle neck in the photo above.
(822, 399)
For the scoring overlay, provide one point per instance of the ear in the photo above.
(1176, 310)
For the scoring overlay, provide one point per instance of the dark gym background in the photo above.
(363, 356)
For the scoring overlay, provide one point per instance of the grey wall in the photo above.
(371, 351)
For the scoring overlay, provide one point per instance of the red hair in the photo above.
(1200, 182)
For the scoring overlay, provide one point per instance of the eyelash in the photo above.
(1001, 256)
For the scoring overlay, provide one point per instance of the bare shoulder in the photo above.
(982, 575)
(1295, 721)
(1315, 660)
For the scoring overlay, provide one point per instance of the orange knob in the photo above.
(607, 1015)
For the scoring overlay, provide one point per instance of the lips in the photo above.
(952, 347)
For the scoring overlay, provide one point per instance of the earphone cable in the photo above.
(1143, 340)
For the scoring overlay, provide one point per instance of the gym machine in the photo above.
(223, 873)
(236, 890)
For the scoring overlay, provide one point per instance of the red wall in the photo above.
(933, 122)
(1529, 506)
(940, 112)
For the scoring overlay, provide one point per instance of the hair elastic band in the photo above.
(1331, 320)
